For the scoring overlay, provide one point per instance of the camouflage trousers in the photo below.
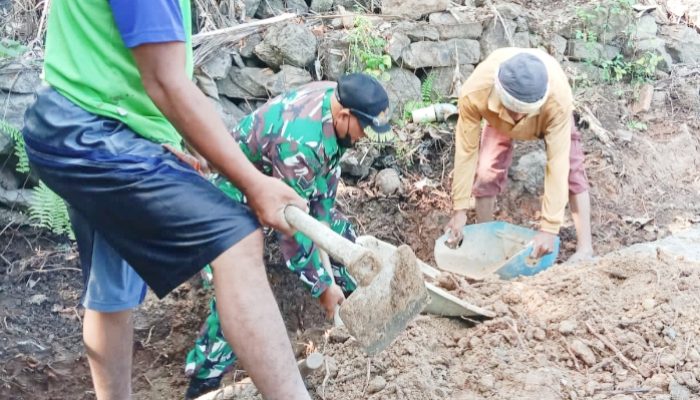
(211, 355)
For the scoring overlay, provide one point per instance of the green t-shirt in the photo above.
(88, 62)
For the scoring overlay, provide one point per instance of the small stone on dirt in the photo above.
(567, 327)
(377, 384)
(388, 181)
(670, 332)
(678, 391)
(668, 360)
(539, 334)
(583, 352)
(338, 335)
(38, 299)
(648, 304)
(487, 381)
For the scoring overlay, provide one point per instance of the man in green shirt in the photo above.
(119, 73)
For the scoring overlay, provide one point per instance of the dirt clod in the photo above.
(376, 385)
(567, 327)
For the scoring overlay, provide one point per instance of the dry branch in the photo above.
(207, 43)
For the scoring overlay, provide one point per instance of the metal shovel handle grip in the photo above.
(362, 263)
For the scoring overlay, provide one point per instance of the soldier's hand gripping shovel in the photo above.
(389, 294)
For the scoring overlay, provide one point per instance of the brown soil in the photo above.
(624, 326)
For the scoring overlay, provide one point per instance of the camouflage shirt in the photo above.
(292, 138)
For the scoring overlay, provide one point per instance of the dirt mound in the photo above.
(623, 327)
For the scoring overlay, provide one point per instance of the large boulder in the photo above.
(402, 86)
(251, 7)
(495, 36)
(645, 28)
(14, 107)
(441, 54)
(244, 83)
(6, 144)
(682, 43)
(287, 78)
(270, 8)
(417, 31)
(580, 50)
(444, 83)
(218, 65)
(357, 162)
(229, 112)
(18, 78)
(510, 11)
(287, 43)
(18, 198)
(398, 42)
(297, 6)
(658, 47)
(321, 6)
(247, 49)
(334, 51)
(467, 30)
(351, 4)
(413, 9)
(527, 173)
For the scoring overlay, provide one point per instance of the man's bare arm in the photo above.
(162, 68)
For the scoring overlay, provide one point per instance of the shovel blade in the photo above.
(376, 314)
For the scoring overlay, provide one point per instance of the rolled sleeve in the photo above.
(152, 21)
(466, 153)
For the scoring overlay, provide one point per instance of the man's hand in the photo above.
(542, 244)
(454, 228)
(330, 298)
(199, 164)
(268, 199)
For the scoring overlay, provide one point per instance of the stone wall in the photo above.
(425, 37)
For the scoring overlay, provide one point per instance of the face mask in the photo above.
(346, 141)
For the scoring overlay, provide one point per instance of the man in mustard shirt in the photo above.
(521, 94)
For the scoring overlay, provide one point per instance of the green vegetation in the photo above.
(598, 27)
(10, 48)
(367, 50)
(47, 209)
(637, 71)
(635, 125)
(428, 97)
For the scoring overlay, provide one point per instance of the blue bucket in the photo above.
(493, 247)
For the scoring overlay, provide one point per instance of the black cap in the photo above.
(368, 102)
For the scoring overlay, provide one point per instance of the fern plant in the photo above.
(46, 208)
(16, 135)
(428, 96)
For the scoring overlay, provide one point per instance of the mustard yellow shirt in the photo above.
(478, 101)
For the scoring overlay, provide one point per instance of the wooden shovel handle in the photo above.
(362, 263)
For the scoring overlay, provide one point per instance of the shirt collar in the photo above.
(495, 106)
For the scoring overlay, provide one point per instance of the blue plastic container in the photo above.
(493, 247)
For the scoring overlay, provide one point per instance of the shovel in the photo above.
(390, 293)
(441, 303)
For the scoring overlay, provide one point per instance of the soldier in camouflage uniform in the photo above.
(299, 138)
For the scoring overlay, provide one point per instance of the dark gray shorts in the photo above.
(160, 215)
